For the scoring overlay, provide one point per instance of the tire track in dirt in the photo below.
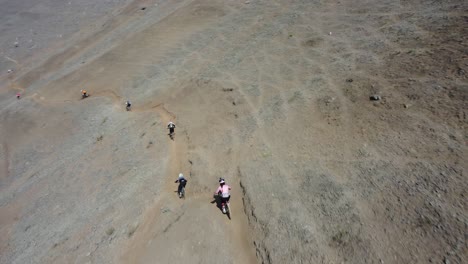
(148, 229)
(6, 161)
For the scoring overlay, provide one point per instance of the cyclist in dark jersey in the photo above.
(182, 182)
(171, 127)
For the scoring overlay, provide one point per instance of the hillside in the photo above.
(274, 96)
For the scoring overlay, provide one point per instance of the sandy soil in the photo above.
(272, 95)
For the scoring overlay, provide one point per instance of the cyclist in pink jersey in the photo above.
(223, 191)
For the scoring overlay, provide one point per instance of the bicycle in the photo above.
(228, 210)
(182, 193)
(225, 206)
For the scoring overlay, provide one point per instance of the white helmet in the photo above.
(181, 175)
(221, 181)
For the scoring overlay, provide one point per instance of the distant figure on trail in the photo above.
(18, 95)
(182, 182)
(128, 105)
(171, 127)
(84, 94)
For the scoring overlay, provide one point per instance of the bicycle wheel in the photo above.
(228, 211)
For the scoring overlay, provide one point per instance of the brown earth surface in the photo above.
(272, 95)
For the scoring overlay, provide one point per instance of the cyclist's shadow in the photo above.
(217, 200)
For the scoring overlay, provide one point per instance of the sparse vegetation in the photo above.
(131, 230)
(110, 231)
(295, 96)
(341, 237)
(149, 144)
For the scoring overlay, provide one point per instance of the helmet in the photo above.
(221, 181)
(181, 175)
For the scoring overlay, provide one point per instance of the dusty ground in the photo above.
(272, 95)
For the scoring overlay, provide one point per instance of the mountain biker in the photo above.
(128, 104)
(223, 191)
(182, 182)
(171, 127)
(84, 93)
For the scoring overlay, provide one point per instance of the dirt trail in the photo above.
(172, 221)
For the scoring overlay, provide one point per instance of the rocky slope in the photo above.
(274, 96)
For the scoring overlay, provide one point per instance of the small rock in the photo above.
(446, 260)
(329, 100)
(247, 2)
(406, 105)
(16, 44)
(10, 71)
(330, 34)
(374, 97)
(349, 80)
